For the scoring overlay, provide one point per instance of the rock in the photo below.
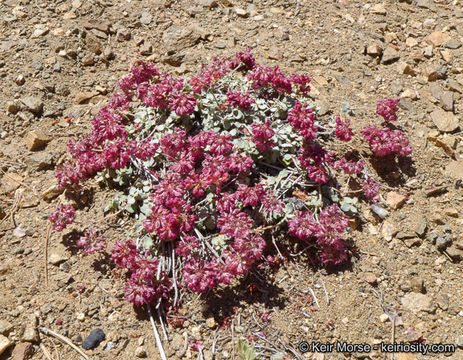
(19, 233)
(388, 230)
(146, 49)
(417, 285)
(123, 35)
(206, 3)
(411, 42)
(93, 339)
(378, 9)
(445, 121)
(374, 50)
(22, 351)
(451, 212)
(370, 278)
(395, 200)
(446, 100)
(12, 107)
(428, 51)
(146, 18)
(416, 302)
(40, 161)
(108, 54)
(88, 60)
(5, 327)
(33, 104)
(412, 241)
(443, 241)
(41, 31)
(20, 80)
(446, 55)
(36, 139)
(459, 342)
(241, 12)
(406, 69)
(452, 44)
(177, 342)
(58, 258)
(455, 169)
(390, 55)
(84, 96)
(4, 344)
(30, 333)
(437, 38)
(52, 193)
(378, 210)
(177, 38)
(455, 253)
(140, 352)
(384, 318)
(211, 323)
(93, 44)
(421, 226)
(436, 90)
(97, 24)
(425, 4)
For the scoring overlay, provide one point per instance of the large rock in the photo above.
(445, 121)
(395, 200)
(5, 343)
(178, 37)
(40, 161)
(93, 44)
(455, 169)
(437, 38)
(33, 104)
(22, 351)
(416, 302)
(36, 139)
(390, 55)
(30, 333)
(5, 327)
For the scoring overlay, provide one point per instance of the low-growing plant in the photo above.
(213, 168)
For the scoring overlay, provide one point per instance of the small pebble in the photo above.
(140, 352)
(93, 340)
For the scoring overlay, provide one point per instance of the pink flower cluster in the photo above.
(142, 287)
(348, 166)
(302, 118)
(62, 217)
(262, 134)
(314, 158)
(91, 242)
(370, 188)
(198, 164)
(386, 141)
(387, 108)
(327, 230)
(236, 99)
(343, 131)
(195, 164)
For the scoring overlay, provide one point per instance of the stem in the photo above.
(156, 335)
(46, 253)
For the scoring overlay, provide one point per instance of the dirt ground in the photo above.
(60, 61)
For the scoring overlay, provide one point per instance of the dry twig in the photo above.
(64, 339)
(47, 237)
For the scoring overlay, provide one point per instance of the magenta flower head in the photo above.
(91, 242)
(343, 132)
(182, 104)
(61, 217)
(387, 108)
(386, 141)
